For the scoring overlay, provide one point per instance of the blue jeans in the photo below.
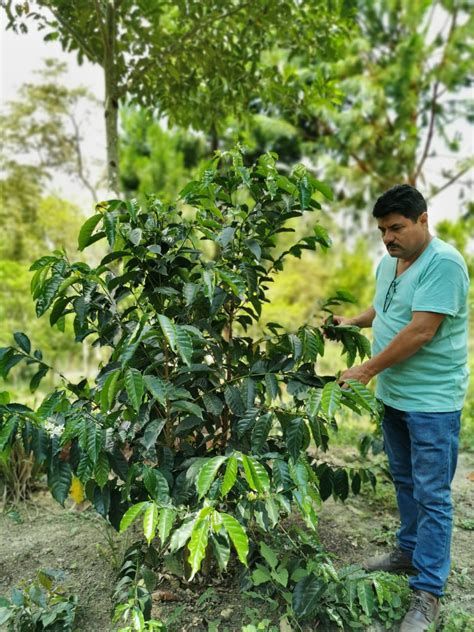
(422, 450)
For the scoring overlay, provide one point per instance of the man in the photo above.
(419, 319)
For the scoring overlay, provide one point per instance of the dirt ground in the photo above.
(44, 535)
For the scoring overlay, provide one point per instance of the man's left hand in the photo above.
(360, 373)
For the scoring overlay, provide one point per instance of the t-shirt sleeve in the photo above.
(442, 289)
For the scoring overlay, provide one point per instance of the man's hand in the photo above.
(361, 373)
(341, 320)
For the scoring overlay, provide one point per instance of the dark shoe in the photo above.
(395, 562)
(423, 613)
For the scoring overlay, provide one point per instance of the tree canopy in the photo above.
(193, 61)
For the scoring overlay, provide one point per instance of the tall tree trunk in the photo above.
(111, 96)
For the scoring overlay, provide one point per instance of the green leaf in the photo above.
(197, 544)
(237, 535)
(150, 521)
(156, 484)
(85, 234)
(131, 514)
(169, 330)
(49, 404)
(6, 432)
(38, 376)
(181, 535)
(165, 523)
(135, 236)
(260, 576)
(94, 441)
(254, 248)
(294, 437)
(246, 422)
(102, 469)
(281, 475)
(365, 595)
(272, 511)
(230, 475)
(207, 474)
(226, 236)
(59, 480)
(110, 227)
(40, 444)
(190, 291)
(184, 344)
(188, 407)
(209, 283)
(307, 593)
(5, 614)
(48, 293)
(221, 548)
(109, 391)
(234, 400)
(213, 404)
(272, 385)
(318, 431)
(269, 555)
(304, 193)
(364, 396)
(260, 431)
(135, 387)
(280, 575)
(331, 398)
(234, 281)
(313, 402)
(341, 483)
(157, 387)
(58, 309)
(22, 341)
(255, 474)
(324, 188)
(313, 344)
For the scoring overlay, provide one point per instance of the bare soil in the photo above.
(42, 534)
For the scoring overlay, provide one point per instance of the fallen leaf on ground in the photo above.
(164, 595)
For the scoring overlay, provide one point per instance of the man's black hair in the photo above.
(403, 199)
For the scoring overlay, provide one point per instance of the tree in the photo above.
(192, 422)
(42, 132)
(402, 81)
(154, 160)
(194, 62)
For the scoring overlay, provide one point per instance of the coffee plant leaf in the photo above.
(237, 536)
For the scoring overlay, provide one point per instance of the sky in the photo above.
(22, 55)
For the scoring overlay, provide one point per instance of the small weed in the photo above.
(14, 516)
(207, 596)
(467, 524)
(463, 578)
(41, 605)
(455, 620)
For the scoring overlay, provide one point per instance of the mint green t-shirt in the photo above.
(435, 378)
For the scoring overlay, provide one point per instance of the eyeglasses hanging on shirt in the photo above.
(392, 290)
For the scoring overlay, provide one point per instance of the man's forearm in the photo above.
(363, 320)
(405, 344)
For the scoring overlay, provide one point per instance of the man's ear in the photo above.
(423, 219)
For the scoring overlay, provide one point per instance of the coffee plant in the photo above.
(43, 604)
(195, 424)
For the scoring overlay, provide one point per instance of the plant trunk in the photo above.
(111, 99)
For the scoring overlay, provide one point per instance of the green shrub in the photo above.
(192, 423)
(42, 605)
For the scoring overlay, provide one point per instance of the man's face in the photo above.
(402, 237)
